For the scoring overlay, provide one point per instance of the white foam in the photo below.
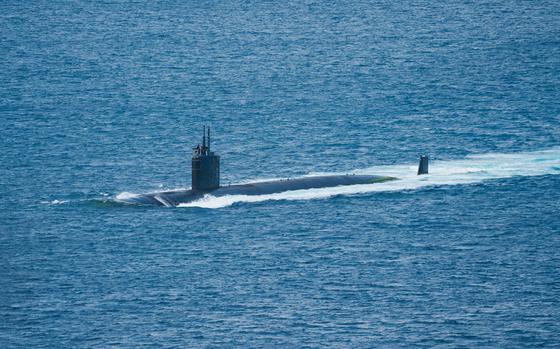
(55, 202)
(124, 196)
(128, 197)
(472, 169)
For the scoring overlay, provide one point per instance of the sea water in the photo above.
(100, 100)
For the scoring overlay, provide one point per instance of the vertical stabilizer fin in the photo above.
(423, 166)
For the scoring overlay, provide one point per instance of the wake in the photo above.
(472, 169)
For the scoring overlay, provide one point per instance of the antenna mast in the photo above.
(204, 136)
(208, 138)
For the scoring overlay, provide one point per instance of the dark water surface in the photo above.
(101, 98)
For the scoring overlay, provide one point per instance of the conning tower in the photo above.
(205, 165)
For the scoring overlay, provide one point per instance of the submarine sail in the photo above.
(205, 166)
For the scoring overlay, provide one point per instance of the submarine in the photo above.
(206, 181)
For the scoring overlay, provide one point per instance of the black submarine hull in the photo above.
(177, 197)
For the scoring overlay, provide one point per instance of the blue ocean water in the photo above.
(101, 99)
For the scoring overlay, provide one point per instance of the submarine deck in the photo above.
(174, 198)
